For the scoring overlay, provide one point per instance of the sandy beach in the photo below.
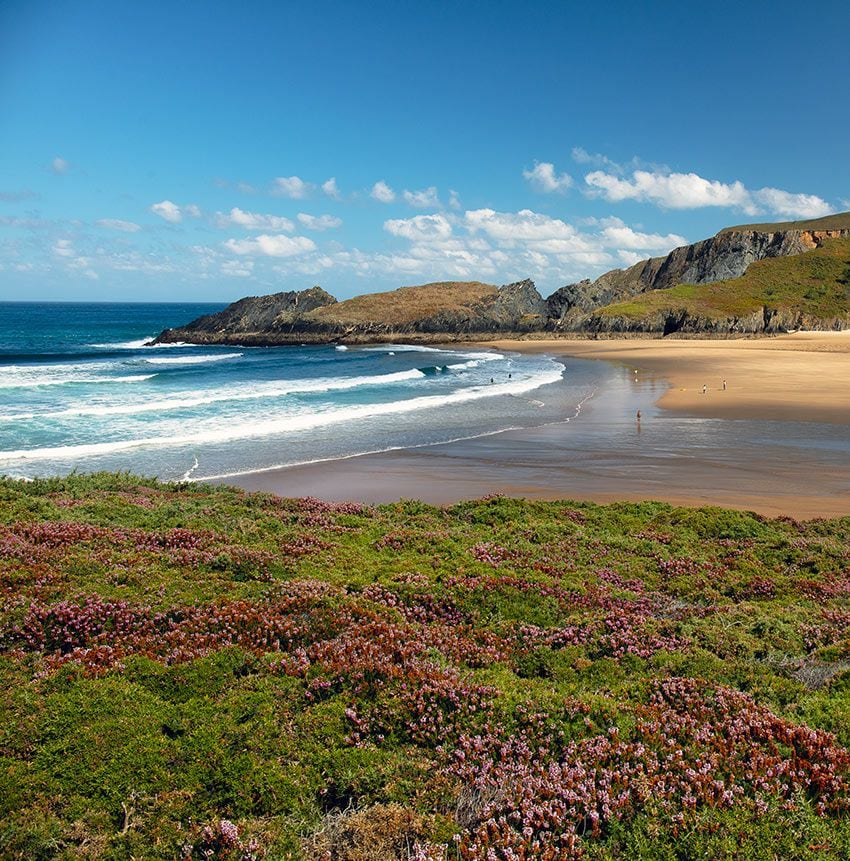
(772, 442)
(799, 377)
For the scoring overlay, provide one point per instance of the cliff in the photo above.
(749, 279)
(803, 291)
(725, 256)
(450, 310)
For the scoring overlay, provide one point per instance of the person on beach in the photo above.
(638, 417)
(704, 389)
(724, 385)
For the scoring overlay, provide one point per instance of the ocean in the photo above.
(80, 391)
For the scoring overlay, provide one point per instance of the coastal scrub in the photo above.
(197, 672)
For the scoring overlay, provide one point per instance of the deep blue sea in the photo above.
(80, 391)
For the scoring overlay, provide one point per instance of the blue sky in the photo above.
(210, 150)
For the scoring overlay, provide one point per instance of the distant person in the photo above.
(509, 376)
(704, 389)
(492, 380)
(724, 385)
(638, 417)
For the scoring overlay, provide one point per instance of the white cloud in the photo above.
(674, 190)
(630, 257)
(691, 191)
(329, 187)
(237, 268)
(291, 186)
(59, 165)
(118, 224)
(423, 199)
(616, 234)
(420, 228)
(192, 209)
(382, 192)
(521, 226)
(543, 178)
(319, 222)
(167, 210)
(245, 187)
(253, 220)
(582, 156)
(271, 246)
(792, 205)
(454, 200)
(64, 248)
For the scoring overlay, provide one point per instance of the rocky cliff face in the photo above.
(471, 310)
(249, 315)
(764, 321)
(462, 311)
(726, 255)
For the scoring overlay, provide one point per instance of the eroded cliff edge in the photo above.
(659, 296)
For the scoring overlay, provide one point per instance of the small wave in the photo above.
(234, 393)
(124, 345)
(341, 347)
(187, 476)
(190, 360)
(305, 421)
(33, 376)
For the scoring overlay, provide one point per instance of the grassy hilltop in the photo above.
(196, 672)
(814, 284)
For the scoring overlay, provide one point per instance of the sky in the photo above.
(192, 151)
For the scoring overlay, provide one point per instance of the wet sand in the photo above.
(775, 441)
(799, 377)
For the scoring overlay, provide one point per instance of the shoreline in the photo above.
(795, 377)
(606, 458)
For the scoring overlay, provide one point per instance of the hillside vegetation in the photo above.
(815, 284)
(194, 672)
(836, 221)
(407, 304)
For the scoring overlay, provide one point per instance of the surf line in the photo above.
(187, 476)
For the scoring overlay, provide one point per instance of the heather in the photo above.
(195, 672)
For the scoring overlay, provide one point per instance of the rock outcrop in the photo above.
(443, 311)
(724, 256)
(472, 310)
(252, 314)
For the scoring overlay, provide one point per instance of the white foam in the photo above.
(341, 347)
(305, 421)
(30, 376)
(140, 343)
(191, 360)
(241, 392)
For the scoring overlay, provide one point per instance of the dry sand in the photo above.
(799, 377)
(803, 377)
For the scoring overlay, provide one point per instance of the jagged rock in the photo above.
(251, 314)
(472, 310)
(726, 255)
(442, 311)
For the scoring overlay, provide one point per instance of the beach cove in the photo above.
(775, 441)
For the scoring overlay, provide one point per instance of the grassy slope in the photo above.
(316, 675)
(815, 283)
(405, 305)
(837, 221)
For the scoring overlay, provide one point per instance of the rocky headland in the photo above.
(765, 279)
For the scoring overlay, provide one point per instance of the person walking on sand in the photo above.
(724, 385)
(704, 388)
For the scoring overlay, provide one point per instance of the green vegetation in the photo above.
(836, 221)
(196, 672)
(816, 284)
(406, 304)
